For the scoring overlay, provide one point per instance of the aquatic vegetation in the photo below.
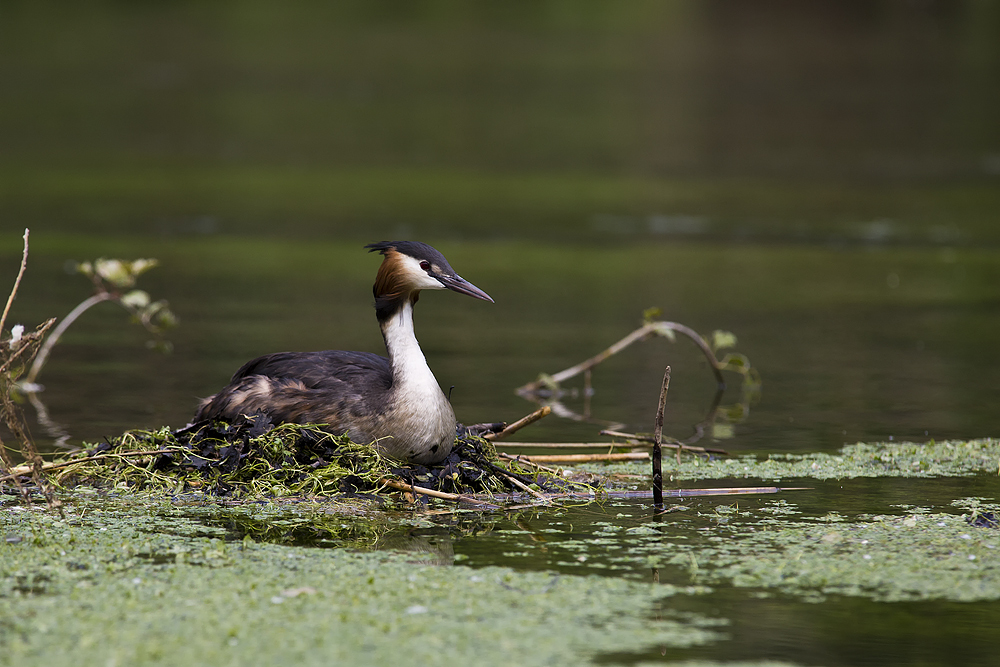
(94, 585)
(254, 459)
(921, 555)
(883, 459)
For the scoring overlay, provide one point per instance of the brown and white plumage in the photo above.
(394, 401)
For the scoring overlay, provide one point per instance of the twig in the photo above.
(651, 328)
(403, 486)
(657, 436)
(642, 440)
(722, 491)
(20, 470)
(583, 458)
(569, 445)
(521, 459)
(519, 424)
(670, 493)
(524, 487)
(53, 338)
(17, 281)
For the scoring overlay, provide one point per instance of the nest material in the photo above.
(253, 457)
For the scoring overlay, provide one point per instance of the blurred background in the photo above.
(820, 178)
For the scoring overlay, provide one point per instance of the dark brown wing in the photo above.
(330, 387)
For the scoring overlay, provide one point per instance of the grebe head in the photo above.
(411, 266)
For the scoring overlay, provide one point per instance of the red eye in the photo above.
(425, 265)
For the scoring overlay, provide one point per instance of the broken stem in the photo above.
(651, 328)
(524, 487)
(17, 282)
(522, 459)
(657, 436)
(53, 338)
(584, 458)
(519, 424)
(18, 471)
(403, 486)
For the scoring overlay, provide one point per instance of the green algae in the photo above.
(949, 553)
(91, 586)
(920, 556)
(884, 459)
(137, 579)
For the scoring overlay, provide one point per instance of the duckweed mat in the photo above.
(947, 458)
(100, 584)
(116, 577)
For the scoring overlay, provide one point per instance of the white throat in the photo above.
(408, 362)
(418, 402)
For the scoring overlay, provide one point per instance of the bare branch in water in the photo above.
(17, 281)
(642, 333)
(640, 440)
(519, 424)
(657, 436)
(584, 458)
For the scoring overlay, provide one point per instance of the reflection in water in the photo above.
(427, 546)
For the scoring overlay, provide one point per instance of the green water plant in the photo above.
(252, 458)
(113, 280)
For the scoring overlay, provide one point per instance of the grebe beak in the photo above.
(463, 286)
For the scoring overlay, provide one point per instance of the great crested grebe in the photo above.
(395, 401)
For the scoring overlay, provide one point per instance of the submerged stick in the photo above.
(583, 458)
(519, 424)
(524, 487)
(670, 493)
(722, 491)
(403, 486)
(657, 436)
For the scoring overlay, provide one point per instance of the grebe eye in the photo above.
(425, 265)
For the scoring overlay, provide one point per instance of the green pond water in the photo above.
(820, 180)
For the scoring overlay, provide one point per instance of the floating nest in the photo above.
(254, 458)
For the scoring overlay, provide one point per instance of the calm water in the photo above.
(820, 180)
(851, 344)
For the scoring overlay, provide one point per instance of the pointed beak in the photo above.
(463, 286)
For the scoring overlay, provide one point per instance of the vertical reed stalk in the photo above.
(657, 437)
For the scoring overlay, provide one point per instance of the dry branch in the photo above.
(403, 486)
(17, 282)
(643, 332)
(519, 424)
(640, 440)
(584, 458)
(17, 471)
(657, 436)
(522, 459)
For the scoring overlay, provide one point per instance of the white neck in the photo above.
(410, 372)
(422, 421)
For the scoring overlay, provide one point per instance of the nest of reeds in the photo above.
(252, 458)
